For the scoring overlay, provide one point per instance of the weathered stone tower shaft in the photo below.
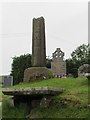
(38, 43)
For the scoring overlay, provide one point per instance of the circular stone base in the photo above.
(37, 73)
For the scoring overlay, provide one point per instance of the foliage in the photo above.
(14, 112)
(18, 66)
(88, 57)
(61, 111)
(72, 67)
(70, 104)
(48, 62)
(81, 53)
(79, 57)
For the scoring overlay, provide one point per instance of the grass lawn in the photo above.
(73, 103)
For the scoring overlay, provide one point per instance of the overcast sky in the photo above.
(66, 27)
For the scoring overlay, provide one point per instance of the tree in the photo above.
(48, 62)
(79, 57)
(18, 66)
(72, 67)
(81, 53)
(88, 58)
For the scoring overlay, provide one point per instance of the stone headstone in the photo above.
(38, 71)
(58, 65)
(6, 80)
(84, 70)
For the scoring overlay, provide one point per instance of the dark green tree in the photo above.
(88, 58)
(79, 57)
(48, 62)
(81, 53)
(18, 66)
(72, 67)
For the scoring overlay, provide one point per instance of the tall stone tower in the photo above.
(38, 71)
(38, 43)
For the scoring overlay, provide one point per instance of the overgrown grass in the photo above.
(14, 112)
(73, 103)
(61, 112)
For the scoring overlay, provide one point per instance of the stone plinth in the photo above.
(36, 74)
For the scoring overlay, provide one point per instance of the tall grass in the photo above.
(14, 112)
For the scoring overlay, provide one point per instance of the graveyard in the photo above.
(72, 103)
(42, 94)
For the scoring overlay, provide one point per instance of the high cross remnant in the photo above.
(38, 71)
(58, 65)
(38, 43)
